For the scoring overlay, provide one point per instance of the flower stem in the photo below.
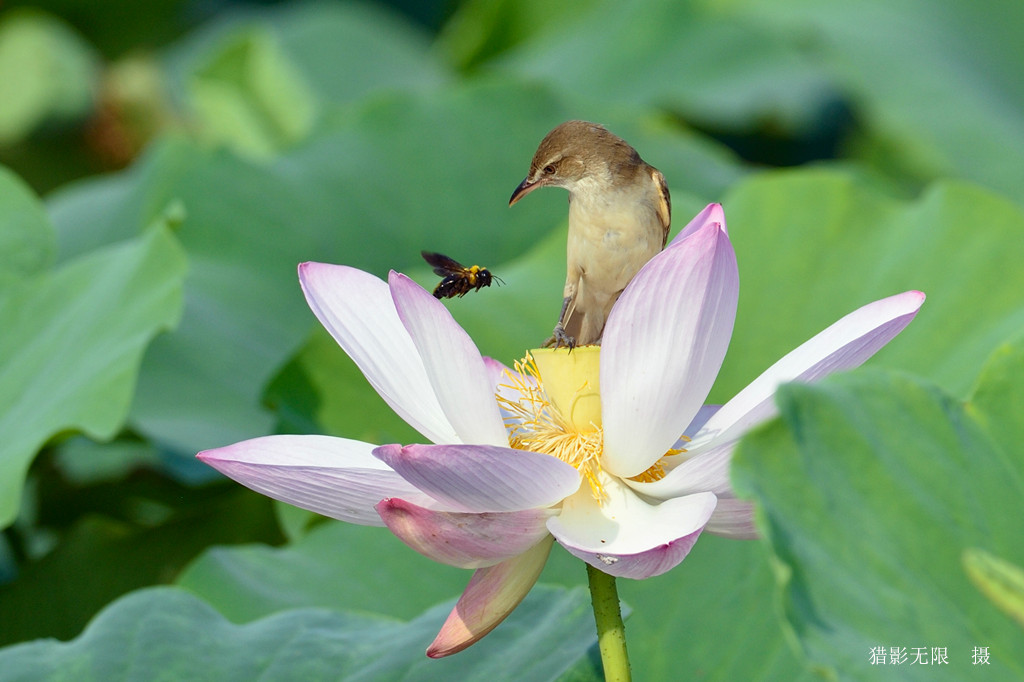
(611, 633)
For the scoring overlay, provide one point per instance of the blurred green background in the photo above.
(168, 164)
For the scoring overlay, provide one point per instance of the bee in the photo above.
(458, 279)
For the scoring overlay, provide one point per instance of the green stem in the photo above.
(611, 633)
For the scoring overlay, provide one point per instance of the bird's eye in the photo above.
(549, 170)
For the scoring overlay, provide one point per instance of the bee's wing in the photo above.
(443, 265)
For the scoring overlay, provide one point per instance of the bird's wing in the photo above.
(664, 203)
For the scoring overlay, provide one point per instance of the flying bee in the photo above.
(458, 279)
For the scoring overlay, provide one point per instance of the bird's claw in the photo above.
(560, 339)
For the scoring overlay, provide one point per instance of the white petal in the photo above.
(708, 470)
(688, 474)
(662, 348)
(453, 364)
(626, 536)
(844, 345)
(357, 309)
(335, 477)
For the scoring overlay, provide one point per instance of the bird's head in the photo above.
(575, 151)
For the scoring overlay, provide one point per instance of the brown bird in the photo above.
(619, 214)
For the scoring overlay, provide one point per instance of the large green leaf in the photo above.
(168, 634)
(128, 534)
(998, 396)
(932, 87)
(871, 488)
(723, 71)
(481, 29)
(814, 245)
(27, 241)
(72, 343)
(1000, 581)
(342, 51)
(243, 312)
(336, 565)
(351, 50)
(250, 96)
(46, 73)
(683, 624)
(435, 170)
(936, 83)
(698, 620)
(319, 391)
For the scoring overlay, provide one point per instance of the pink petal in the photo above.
(627, 537)
(463, 539)
(662, 348)
(357, 309)
(492, 594)
(335, 477)
(712, 213)
(483, 478)
(733, 519)
(844, 345)
(453, 364)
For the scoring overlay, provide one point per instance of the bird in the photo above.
(619, 216)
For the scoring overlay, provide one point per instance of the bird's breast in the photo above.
(612, 241)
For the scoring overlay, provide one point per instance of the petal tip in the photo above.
(212, 457)
(457, 635)
(387, 453)
(395, 277)
(911, 301)
(403, 285)
(434, 651)
(441, 647)
(716, 214)
(306, 267)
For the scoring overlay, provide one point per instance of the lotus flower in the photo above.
(518, 458)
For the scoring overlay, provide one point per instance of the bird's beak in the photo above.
(524, 188)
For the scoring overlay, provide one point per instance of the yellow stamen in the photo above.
(657, 471)
(535, 424)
